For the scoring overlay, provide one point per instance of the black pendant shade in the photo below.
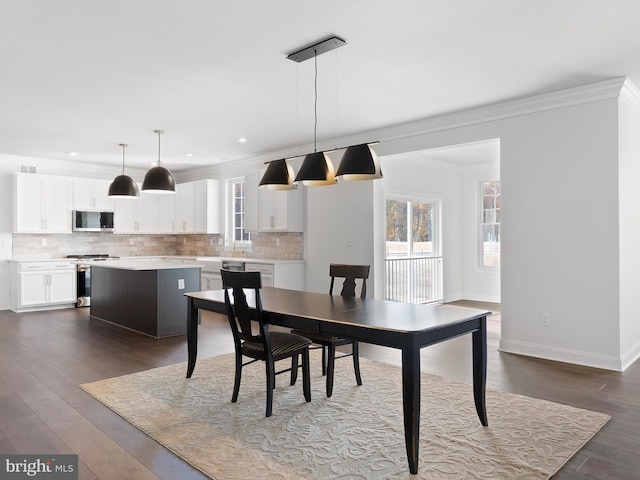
(278, 176)
(123, 185)
(359, 162)
(158, 179)
(316, 170)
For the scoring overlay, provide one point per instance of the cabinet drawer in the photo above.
(48, 266)
(264, 268)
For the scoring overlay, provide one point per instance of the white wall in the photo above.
(629, 214)
(339, 230)
(560, 230)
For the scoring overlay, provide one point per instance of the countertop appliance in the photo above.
(89, 221)
(83, 269)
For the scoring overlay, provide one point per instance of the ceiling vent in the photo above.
(27, 169)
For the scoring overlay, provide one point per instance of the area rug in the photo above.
(355, 434)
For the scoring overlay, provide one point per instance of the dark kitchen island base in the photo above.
(145, 299)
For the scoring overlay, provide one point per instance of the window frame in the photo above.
(496, 224)
(435, 220)
(230, 212)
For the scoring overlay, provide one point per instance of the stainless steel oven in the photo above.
(83, 276)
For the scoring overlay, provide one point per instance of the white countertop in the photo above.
(128, 264)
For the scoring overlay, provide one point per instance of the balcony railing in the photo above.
(414, 280)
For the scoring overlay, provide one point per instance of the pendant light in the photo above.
(278, 176)
(359, 162)
(317, 168)
(158, 179)
(123, 186)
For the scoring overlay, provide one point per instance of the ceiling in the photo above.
(85, 75)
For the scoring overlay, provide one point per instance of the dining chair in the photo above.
(328, 343)
(252, 338)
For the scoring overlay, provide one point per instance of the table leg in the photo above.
(192, 335)
(479, 341)
(411, 403)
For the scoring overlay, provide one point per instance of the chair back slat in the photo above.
(350, 273)
(239, 313)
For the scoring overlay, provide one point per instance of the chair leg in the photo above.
(356, 362)
(270, 386)
(331, 362)
(324, 360)
(294, 369)
(236, 383)
(306, 375)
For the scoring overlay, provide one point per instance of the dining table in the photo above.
(405, 326)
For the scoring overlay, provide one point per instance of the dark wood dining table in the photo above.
(405, 326)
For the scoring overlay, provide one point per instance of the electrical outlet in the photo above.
(181, 284)
(131, 241)
(545, 320)
(44, 242)
(277, 242)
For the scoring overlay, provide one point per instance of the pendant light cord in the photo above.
(159, 132)
(315, 102)
(123, 147)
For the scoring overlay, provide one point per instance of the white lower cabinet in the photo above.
(210, 281)
(42, 285)
(279, 274)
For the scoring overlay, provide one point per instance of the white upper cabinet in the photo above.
(140, 215)
(193, 209)
(91, 194)
(198, 207)
(207, 218)
(42, 203)
(273, 210)
(185, 209)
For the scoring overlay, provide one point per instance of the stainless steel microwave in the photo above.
(85, 221)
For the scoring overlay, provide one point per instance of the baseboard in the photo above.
(563, 355)
(630, 356)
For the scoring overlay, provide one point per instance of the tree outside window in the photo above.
(490, 224)
(409, 239)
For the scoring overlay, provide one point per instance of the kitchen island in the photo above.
(144, 295)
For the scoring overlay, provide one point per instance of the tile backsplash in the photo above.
(282, 246)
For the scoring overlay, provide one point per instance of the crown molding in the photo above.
(538, 103)
(630, 93)
(619, 87)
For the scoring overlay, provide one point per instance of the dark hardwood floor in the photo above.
(45, 355)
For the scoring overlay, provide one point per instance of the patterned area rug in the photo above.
(355, 434)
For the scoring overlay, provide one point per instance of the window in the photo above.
(490, 224)
(236, 232)
(411, 239)
(413, 265)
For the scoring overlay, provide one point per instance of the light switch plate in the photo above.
(181, 284)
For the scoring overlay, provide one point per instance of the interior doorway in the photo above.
(468, 239)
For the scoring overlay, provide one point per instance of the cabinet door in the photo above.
(166, 213)
(125, 218)
(42, 204)
(57, 204)
(185, 208)
(33, 288)
(147, 213)
(279, 212)
(62, 286)
(29, 201)
(91, 194)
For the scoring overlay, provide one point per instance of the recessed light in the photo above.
(73, 154)
(242, 140)
(188, 154)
